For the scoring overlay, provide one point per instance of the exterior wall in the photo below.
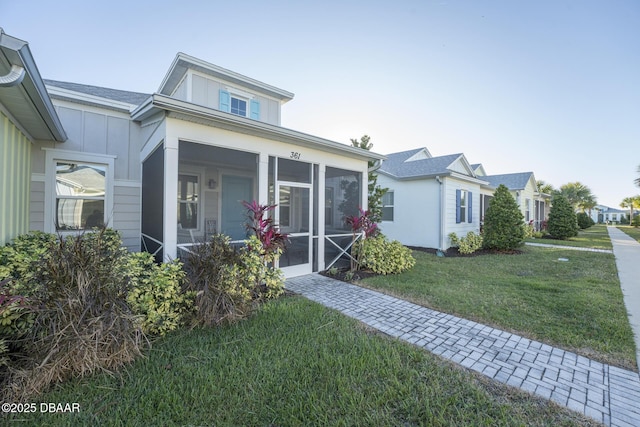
(206, 91)
(15, 164)
(93, 132)
(450, 225)
(521, 197)
(416, 216)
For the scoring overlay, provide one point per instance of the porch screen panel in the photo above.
(153, 202)
(343, 194)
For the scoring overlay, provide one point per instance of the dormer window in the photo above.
(235, 102)
(238, 106)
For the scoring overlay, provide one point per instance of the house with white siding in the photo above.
(429, 198)
(173, 167)
(602, 214)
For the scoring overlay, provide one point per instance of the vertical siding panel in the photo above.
(4, 160)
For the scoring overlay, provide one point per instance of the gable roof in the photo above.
(400, 165)
(183, 62)
(23, 93)
(513, 181)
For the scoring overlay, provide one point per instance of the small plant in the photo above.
(155, 293)
(469, 244)
(360, 224)
(383, 256)
(273, 241)
(333, 271)
(348, 276)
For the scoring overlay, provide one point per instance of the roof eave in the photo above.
(32, 85)
(221, 119)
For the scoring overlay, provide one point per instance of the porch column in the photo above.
(170, 227)
(321, 214)
(263, 179)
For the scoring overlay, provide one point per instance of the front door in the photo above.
(294, 216)
(235, 190)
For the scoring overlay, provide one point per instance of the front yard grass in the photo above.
(294, 363)
(595, 237)
(576, 304)
(631, 231)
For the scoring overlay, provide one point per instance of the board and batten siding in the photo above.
(126, 213)
(206, 92)
(15, 180)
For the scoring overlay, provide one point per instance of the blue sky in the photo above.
(551, 87)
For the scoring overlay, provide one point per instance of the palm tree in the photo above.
(637, 180)
(631, 203)
(579, 195)
(543, 187)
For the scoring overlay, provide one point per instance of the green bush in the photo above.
(468, 244)
(503, 222)
(383, 256)
(228, 282)
(82, 322)
(562, 223)
(584, 221)
(636, 221)
(156, 293)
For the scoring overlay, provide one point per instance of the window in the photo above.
(188, 190)
(235, 102)
(238, 106)
(527, 210)
(387, 206)
(80, 190)
(463, 206)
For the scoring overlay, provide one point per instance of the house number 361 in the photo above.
(295, 155)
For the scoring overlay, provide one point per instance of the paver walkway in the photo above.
(606, 393)
(574, 248)
(627, 252)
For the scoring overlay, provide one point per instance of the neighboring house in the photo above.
(429, 198)
(26, 116)
(172, 167)
(601, 214)
(533, 205)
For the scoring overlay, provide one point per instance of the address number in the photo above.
(295, 155)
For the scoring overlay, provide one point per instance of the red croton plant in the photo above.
(361, 224)
(264, 228)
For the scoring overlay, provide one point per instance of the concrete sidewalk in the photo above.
(606, 393)
(627, 253)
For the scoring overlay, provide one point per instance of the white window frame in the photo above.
(52, 157)
(527, 210)
(392, 206)
(241, 96)
(464, 217)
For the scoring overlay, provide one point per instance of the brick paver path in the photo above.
(606, 393)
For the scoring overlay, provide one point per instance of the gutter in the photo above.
(14, 77)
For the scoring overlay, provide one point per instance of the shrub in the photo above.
(383, 256)
(584, 221)
(82, 322)
(156, 293)
(636, 221)
(562, 219)
(468, 244)
(503, 222)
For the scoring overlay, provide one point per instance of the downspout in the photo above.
(13, 78)
(441, 214)
(377, 165)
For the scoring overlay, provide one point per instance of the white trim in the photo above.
(83, 97)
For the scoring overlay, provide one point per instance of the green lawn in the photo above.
(575, 304)
(595, 237)
(295, 363)
(631, 231)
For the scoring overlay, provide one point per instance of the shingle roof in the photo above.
(513, 181)
(134, 98)
(397, 166)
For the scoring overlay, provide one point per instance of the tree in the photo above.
(631, 203)
(544, 187)
(562, 222)
(503, 222)
(375, 192)
(578, 195)
(637, 180)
